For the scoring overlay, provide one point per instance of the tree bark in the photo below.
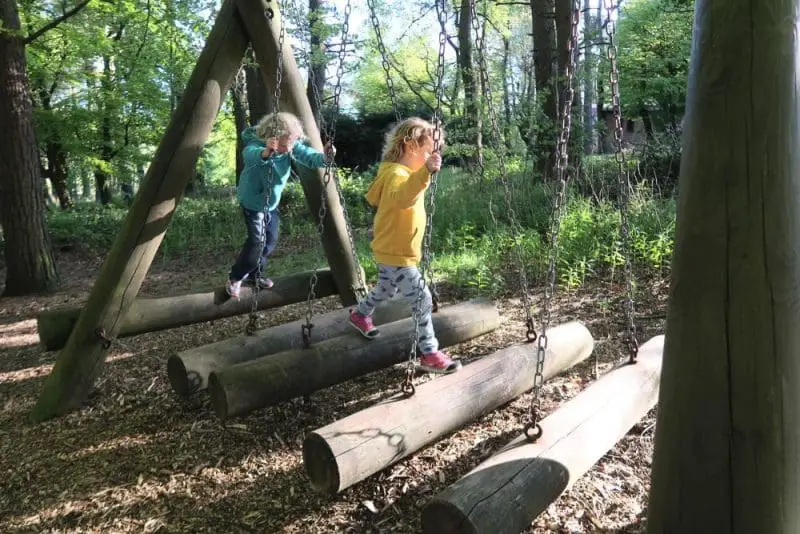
(125, 268)
(249, 386)
(341, 257)
(30, 267)
(468, 77)
(504, 494)
(348, 451)
(106, 148)
(315, 89)
(726, 445)
(189, 370)
(162, 313)
(591, 29)
(544, 58)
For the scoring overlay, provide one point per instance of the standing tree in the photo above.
(727, 440)
(29, 259)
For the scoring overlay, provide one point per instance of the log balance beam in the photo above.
(350, 450)
(153, 314)
(504, 494)
(189, 370)
(249, 386)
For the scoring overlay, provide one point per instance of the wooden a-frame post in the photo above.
(727, 444)
(121, 276)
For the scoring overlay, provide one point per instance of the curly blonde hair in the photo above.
(279, 124)
(412, 130)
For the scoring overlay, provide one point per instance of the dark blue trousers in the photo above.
(262, 236)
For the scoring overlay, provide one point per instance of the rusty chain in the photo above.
(623, 185)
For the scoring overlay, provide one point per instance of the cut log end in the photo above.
(179, 377)
(218, 397)
(320, 464)
(442, 517)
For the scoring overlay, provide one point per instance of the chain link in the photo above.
(373, 17)
(533, 429)
(252, 321)
(329, 134)
(623, 184)
(497, 143)
(425, 264)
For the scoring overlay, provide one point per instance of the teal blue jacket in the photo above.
(271, 174)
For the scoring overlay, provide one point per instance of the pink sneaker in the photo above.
(438, 362)
(233, 288)
(363, 324)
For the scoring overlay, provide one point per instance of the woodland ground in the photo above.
(137, 458)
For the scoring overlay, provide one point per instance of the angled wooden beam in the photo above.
(264, 31)
(126, 266)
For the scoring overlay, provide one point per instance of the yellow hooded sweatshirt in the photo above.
(399, 195)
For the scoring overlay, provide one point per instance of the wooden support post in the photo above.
(356, 447)
(248, 386)
(727, 443)
(189, 370)
(264, 32)
(161, 313)
(130, 257)
(504, 494)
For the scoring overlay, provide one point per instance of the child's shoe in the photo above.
(363, 324)
(438, 362)
(264, 283)
(233, 288)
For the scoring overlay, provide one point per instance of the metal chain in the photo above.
(533, 429)
(252, 322)
(623, 185)
(408, 383)
(384, 58)
(329, 133)
(497, 143)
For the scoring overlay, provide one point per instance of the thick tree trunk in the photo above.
(189, 370)
(544, 58)
(162, 313)
(468, 77)
(130, 257)
(106, 150)
(30, 266)
(350, 450)
(249, 386)
(57, 171)
(315, 89)
(726, 445)
(335, 240)
(504, 494)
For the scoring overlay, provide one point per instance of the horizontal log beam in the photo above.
(189, 370)
(348, 451)
(249, 386)
(161, 313)
(504, 494)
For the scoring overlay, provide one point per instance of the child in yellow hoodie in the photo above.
(398, 193)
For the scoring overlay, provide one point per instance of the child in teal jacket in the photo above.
(269, 149)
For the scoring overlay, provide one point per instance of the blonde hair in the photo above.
(412, 130)
(279, 124)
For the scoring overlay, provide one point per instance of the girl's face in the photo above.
(419, 154)
(286, 143)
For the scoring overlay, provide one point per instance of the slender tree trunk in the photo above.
(259, 99)
(507, 81)
(101, 175)
(544, 44)
(318, 61)
(30, 266)
(590, 33)
(240, 118)
(465, 64)
(57, 171)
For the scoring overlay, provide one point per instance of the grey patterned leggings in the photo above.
(406, 280)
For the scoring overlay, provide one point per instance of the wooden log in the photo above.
(153, 314)
(248, 386)
(358, 446)
(189, 370)
(727, 441)
(264, 32)
(504, 494)
(137, 242)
